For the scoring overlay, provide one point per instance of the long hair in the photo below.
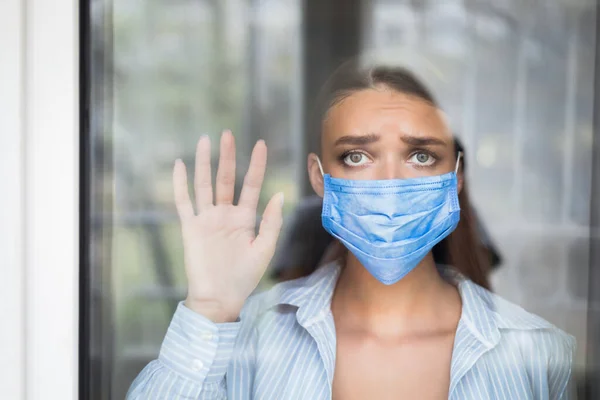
(461, 248)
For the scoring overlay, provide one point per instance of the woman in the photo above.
(384, 322)
(306, 244)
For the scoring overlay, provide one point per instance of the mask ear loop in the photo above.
(458, 162)
(320, 166)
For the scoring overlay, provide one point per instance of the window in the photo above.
(514, 78)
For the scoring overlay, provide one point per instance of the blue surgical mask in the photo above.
(390, 225)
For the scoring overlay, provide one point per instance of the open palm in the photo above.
(224, 259)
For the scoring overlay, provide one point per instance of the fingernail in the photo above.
(281, 198)
(178, 161)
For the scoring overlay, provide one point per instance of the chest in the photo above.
(294, 362)
(368, 368)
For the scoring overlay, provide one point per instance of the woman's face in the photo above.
(383, 134)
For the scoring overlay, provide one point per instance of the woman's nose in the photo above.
(391, 168)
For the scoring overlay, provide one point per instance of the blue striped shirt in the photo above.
(283, 347)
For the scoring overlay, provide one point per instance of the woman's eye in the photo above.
(355, 159)
(422, 159)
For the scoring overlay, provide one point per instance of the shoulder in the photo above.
(546, 352)
(535, 337)
(514, 320)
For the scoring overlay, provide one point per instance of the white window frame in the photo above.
(39, 206)
(12, 342)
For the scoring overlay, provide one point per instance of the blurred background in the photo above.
(515, 77)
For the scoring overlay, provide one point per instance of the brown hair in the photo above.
(461, 248)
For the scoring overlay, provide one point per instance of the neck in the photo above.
(422, 300)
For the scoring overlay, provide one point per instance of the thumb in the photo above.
(270, 226)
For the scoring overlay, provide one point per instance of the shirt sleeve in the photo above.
(192, 362)
(560, 368)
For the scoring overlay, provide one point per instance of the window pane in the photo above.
(162, 74)
(515, 79)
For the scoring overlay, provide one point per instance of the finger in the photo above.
(270, 227)
(202, 178)
(226, 171)
(254, 177)
(180, 190)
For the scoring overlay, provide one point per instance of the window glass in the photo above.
(162, 74)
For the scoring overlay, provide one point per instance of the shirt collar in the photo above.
(484, 314)
(311, 295)
(487, 312)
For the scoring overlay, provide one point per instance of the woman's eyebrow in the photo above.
(357, 140)
(423, 140)
(361, 140)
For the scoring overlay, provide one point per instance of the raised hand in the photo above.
(224, 259)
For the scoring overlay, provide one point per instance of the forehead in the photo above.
(383, 111)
